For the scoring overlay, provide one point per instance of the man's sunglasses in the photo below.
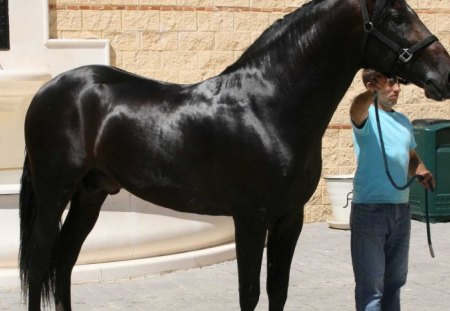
(394, 80)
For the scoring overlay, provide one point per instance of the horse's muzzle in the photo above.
(436, 90)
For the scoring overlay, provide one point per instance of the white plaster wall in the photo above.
(32, 60)
(31, 48)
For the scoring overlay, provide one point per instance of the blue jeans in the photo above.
(380, 235)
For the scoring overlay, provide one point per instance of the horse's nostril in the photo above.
(448, 78)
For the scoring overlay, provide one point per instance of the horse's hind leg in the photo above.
(82, 216)
(250, 234)
(48, 183)
(282, 239)
(37, 258)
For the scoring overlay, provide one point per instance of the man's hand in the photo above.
(416, 167)
(427, 179)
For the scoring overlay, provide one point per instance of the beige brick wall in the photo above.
(186, 41)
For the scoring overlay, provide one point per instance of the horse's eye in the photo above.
(397, 18)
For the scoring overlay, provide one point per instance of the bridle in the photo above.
(403, 55)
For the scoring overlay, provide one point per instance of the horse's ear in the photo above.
(383, 3)
(393, 3)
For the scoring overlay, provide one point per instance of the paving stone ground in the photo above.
(321, 279)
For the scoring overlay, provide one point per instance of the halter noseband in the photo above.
(404, 55)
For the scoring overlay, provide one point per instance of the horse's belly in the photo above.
(181, 200)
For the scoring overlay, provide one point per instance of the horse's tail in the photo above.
(28, 210)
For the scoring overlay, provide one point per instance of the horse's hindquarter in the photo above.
(197, 150)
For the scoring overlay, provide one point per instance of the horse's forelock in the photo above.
(379, 10)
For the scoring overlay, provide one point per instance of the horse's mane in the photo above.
(274, 38)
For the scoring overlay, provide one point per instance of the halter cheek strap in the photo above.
(404, 55)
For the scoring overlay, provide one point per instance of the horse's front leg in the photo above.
(282, 239)
(250, 231)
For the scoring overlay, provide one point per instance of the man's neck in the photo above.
(385, 107)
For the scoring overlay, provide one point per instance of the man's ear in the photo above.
(372, 87)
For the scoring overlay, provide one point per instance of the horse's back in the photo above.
(79, 82)
(84, 96)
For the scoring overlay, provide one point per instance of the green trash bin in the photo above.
(433, 147)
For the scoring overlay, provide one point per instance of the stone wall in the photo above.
(190, 40)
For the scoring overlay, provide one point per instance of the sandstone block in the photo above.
(232, 41)
(141, 20)
(345, 139)
(102, 20)
(177, 60)
(443, 24)
(274, 16)
(295, 3)
(251, 21)
(194, 76)
(196, 41)
(429, 20)
(136, 61)
(434, 4)
(178, 21)
(67, 20)
(268, 3)
(159, 41)
(215, 21)
(123, 41)
(215, 60)
(315, 213)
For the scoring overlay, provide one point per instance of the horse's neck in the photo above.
(315, 68)
(328, 52)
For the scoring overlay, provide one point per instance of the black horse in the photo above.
(246, 143)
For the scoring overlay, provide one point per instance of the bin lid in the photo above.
(339, 177)
(432, 125)
(428, 122)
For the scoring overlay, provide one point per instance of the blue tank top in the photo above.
(371, 185)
